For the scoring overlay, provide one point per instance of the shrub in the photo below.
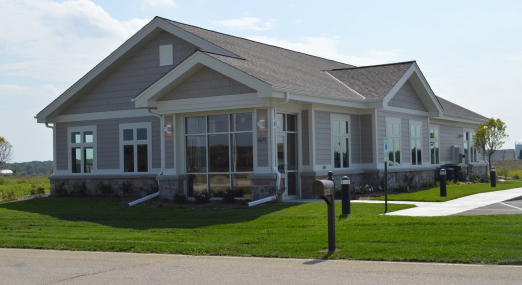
(212, 204)
(338, 193)
(382, 181)
(244, 202)
(125, 188)
(35, 190)
(60, 190)
(502, 172)
(408, 181)
(516, 176)
(180, 198)
(402, 188)
(363, 190)
(229, 197)
(8, 195)
(277, 192)
(202, 198)
(80, 189)
(104, 188)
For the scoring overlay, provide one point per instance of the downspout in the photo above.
(54, 145)
(162, 145)
(273, 148)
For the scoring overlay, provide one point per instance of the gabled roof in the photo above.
(452, 109)
(374, 81)
(276, 66)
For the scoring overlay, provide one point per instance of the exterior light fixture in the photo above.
(168, 129)
(261, 124)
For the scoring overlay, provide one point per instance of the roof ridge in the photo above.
(254, 41)
(384, 64)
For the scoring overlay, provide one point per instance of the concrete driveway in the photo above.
(20, 266)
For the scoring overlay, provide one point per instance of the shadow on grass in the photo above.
(110, 212)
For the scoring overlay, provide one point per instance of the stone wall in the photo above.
(140, 186)
(261, 185)
(171, 186)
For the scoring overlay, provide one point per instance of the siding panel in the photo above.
(407, 98)
(366, 139)
(355, 138)
(262, 139)
(169, 144)
(306, 137)
(323, 138)
(449, 136)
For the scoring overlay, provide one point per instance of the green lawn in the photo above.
(21, 186)
(279, 230)
(452, 191)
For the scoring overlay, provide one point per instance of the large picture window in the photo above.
(469, 148)
(434, 145)
(416, 142)
(82, 149)
(219, 153)
(135, 147)
(393, 133)
(341, 141)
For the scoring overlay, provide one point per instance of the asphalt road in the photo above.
(20, 266)
(503, 208)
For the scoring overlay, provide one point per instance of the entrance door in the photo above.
(287, 154)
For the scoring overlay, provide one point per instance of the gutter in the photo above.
(273, 148)
(162, 145)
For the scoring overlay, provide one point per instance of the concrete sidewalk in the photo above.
(452, 207)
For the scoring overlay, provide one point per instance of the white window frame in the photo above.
(135, 142)
(344, 118)
(415, 137)
(82, 145)
(389, 120)
(471, 144)
(434, 140)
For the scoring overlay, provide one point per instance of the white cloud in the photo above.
(160, 3)
(246, 23)
(58, 41)
(330, 47)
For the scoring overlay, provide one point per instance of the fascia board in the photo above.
(168, 81)
(461, 119)
(312, 97)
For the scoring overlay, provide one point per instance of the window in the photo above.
(166, 55)
(393, 133)
(82, 149)
(341, 141)
(434, 145)
(135, 147)
(469, 148)
(219, 153)
(416, 142)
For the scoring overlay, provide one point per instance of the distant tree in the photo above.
(520, 154)
(489, 137)
(6, 153)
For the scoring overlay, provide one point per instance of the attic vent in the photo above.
(165, 55)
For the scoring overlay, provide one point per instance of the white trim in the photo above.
(393, 120)
(434, 140)
(102, 115)
(341, 118)
(461, 119)
(135, 142)
(82, 145)
(407, 111)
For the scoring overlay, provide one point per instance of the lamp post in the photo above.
(493, 176)
(345, 194)
(442, 176)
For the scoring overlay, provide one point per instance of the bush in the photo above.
(80, 189)
(60, 190)
(502, 172)
(202, 198)
(408, 181)
(363, 190)
(402, 189)
(8, 195)
(516, 176)
(338, 193)
(180, 198)
(35, 190)
(212, 204)
(229, 197)
(104, 188)
(125, 189)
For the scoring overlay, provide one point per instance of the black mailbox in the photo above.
(323, 188)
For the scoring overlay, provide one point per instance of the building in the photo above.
(196, 109)
(6, 172)
(503, 155)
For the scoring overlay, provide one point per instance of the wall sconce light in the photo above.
(276, 123)
(261, 124)
(460, 136)
(168, 129)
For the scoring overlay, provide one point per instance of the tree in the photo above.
(6, 153)
(489, 137)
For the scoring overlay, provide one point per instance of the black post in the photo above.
(330, 200)
(345, 194)
(442, 176)
(493, 176)
(385, 187)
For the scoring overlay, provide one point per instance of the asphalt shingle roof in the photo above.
(453, 109)
(372, 81)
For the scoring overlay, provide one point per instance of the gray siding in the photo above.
(355, 136)
(114, 91)
(207, 82)
(108, 141)
(366, 138)
(262, 139)
(169, 144)
(306, 137)
(323, 138)
(405, 134)
(407, 98)
(449, 136)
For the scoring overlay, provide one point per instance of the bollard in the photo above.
(345, 194)
(442, 176)
(493, 176)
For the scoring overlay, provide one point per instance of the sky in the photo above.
(469, 51)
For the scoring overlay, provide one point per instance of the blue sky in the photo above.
(469, 51)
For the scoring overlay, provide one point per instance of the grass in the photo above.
(453, 192)
(21, 186)
(279, 230)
